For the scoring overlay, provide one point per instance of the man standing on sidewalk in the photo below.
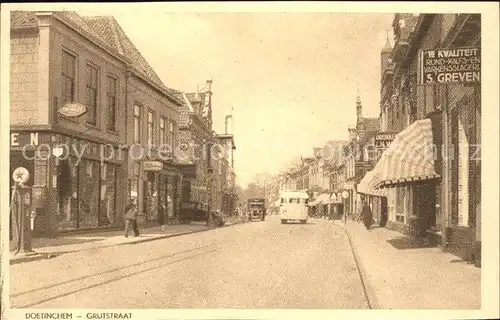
(130, 217)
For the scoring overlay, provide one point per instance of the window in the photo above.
(68, 78)
(137, 123)
(91, 93)
(112, 89)
(150, 128)
(162, 131)
(171, 138)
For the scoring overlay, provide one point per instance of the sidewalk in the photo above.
(50, 247)
(403, 275)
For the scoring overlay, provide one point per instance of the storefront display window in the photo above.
(151, 195)
(88, 194)
(67, 185)
(170, 197)
(108, 194)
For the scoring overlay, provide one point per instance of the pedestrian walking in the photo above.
(367, 215)
(130, 217)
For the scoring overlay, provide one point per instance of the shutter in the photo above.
(453, 128)
(471, 132)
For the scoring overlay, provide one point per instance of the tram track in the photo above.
(41, 295)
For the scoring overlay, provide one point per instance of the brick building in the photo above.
(357, 157)
(196, 136)
(61, 59)
(228, 175)
(56, 58)
(431, 175)
(152, 117)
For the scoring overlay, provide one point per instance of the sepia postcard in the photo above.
(249, 160)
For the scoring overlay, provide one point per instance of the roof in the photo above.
(110, 31)
(107, 30)
(387, 47)
(367, 136)
(371, 124)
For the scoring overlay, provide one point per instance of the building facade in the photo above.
(57, 59)
(358, 155)
(196, 136)
(443, 199)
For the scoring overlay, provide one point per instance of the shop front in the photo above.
(74, 181)
(407, 170)
(377, 198)
(158, 190)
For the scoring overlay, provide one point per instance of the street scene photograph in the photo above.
(164, 159)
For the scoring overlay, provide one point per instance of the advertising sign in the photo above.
(384, 139)
(152, 166)
(450, 66)
(73, 109)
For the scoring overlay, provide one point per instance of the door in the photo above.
(383, 211)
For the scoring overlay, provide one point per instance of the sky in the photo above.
(290, 79)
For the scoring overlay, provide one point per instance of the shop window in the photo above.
(400, 204)
(108, 194)
(88, 194)
(170, 197)
(67, 186)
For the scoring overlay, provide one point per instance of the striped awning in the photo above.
(323, 198)
(367, 184)
(409, 158)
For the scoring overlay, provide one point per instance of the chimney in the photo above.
(226, 122)
(209, 86)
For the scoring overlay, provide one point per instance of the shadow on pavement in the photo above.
(404, 243)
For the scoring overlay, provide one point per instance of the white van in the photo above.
(293, 206)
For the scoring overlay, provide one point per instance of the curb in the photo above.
(35, 257)
(166, 236)
(42, 256)
(368, 289)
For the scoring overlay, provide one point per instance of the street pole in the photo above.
(24, 221)
(209, 206)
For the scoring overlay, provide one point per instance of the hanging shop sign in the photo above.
(152, 166)
(450, 66)
(73, 109)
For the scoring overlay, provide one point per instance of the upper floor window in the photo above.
(162, 131)
(112, 90)
(68, 78)
(150, 128)
(137, 123)
(91, 93)
(171, 136)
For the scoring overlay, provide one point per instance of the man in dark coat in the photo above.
(130, 216)
(367, 214)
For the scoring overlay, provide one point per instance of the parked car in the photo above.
(195, 211)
